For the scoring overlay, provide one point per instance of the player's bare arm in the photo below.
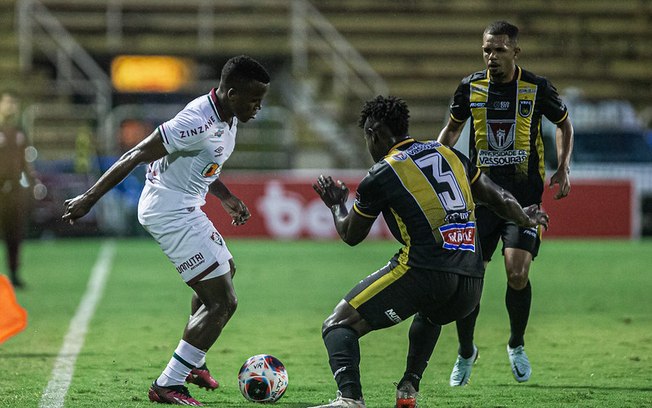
(564, 144)
(148, 150)
(235, 207)
(351, 227)
(503, 203)
(450, 133)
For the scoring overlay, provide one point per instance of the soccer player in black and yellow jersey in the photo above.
(426, 193)
(506, 104)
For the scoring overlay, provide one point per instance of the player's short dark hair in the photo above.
(242, 69)
(502, 27)
(391, 111)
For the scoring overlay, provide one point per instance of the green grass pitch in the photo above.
(589, 337)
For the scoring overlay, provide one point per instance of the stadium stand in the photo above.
(421, 48)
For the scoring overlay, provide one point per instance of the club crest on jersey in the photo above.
(524, 107)
(210, 169)
(215, 237)
(458, 236)
(500, 134)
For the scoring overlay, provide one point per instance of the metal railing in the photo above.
(314, 40)
(76, 70)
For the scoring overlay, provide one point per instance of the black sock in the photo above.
(518, 307)
(465, 330)
(423, 336)
(344, 358)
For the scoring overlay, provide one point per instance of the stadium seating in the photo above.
(422, 48)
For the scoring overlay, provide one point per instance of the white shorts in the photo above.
(192, 243)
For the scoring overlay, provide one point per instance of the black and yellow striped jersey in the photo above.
(506, 141)
(423, 190)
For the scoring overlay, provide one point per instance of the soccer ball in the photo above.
(263, 378)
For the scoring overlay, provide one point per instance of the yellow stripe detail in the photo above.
(480, 93)
(525, 92)
(378, 286)
(357, 210)
(477, 176)
(562, 119)
(456, 119)
(402, 228)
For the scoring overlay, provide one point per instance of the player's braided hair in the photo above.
(242, 69)
(391, 111)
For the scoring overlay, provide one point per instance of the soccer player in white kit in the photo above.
(185, 156)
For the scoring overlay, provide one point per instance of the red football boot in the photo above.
(202, 378)
(174, 394)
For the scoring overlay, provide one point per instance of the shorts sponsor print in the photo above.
(192, 244)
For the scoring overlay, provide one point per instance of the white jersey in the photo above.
(198, 144)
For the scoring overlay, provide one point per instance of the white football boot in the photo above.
(461, 373)
(341, 401)
(520, 364)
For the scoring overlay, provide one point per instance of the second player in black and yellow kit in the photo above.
(426, 193)
(505, 105)
(505, 139)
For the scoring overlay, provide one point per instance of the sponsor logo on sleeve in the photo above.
(458, 236)
(210, 169)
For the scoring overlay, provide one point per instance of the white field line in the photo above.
(57, 388)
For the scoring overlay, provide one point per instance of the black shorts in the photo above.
(491, 228)
(396, 292)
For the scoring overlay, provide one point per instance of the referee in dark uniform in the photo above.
(425, 192)
(506, 104)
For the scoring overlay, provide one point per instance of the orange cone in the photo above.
(13, 318)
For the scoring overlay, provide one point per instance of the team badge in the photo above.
(524, 107)
(210, 169)
(215, 237)
(500, 134)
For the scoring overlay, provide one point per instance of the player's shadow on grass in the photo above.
(582, 387)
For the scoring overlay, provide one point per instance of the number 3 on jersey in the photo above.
(443, 181)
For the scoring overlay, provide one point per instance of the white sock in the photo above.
(184, 359)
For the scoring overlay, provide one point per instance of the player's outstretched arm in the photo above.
(350, 226)
(503, 203)
(150, 149)
(235, 207)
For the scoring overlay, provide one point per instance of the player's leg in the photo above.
(489, 233)
(205, 264)
(381, 300)
(422, 338)
(518, 295)
(521, 246)
(341, 332)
